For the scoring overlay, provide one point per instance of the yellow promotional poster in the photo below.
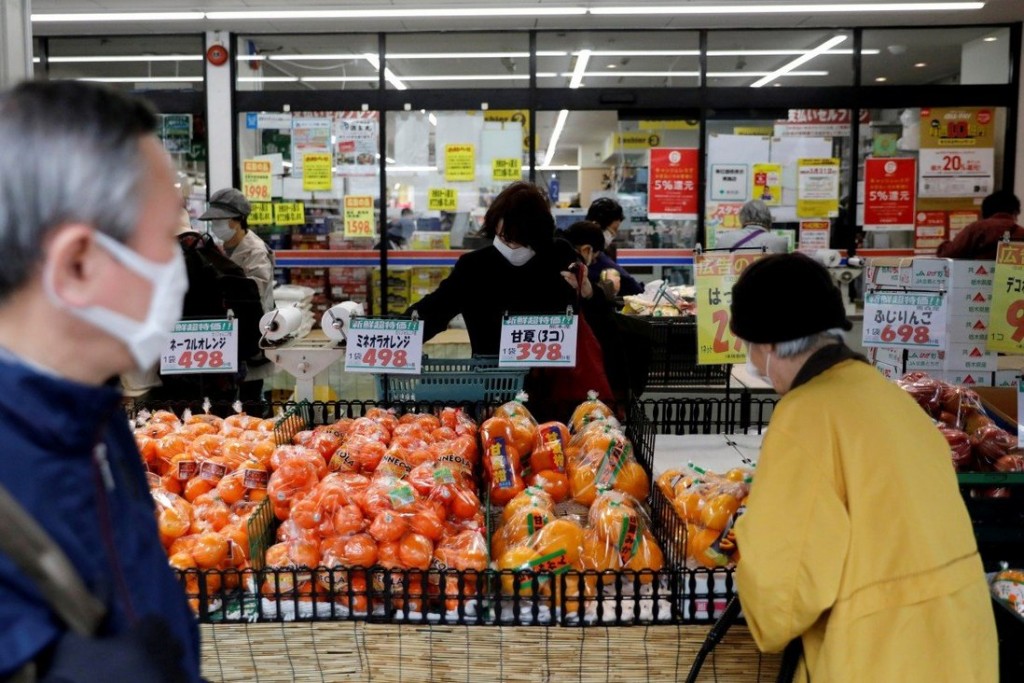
(946, 127)
(262, 213)
(358, 215)
(520, 116)
(256, 180)
(817, 188)
(767, 183)
(289, 213)
(316, 172)
(460, 163)
(716, 274)
(442, 199)
(507, 170)
(1006, 319)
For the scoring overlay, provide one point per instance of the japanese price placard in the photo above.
(358, 214)
(909, 320)
(1006, 320)
(459, 163)
(289, 213)
(256, 180)
(716, 274)
(442, 199)
(529, 341)
(262, 213)
(201, 346)
(507, 170)
(317, 174)
(383, 346)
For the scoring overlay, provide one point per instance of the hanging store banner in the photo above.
(729, 183)
(957, 127)
(817, 188)
(957, 172)
(814, 235)
(1006, 319)
(715, 276)
(929, 231)
(767, 183)
(672, 183)
(358, 215)
(256, 180)
(459, 163)
(356, 142)
(317, 175)
(889, 193)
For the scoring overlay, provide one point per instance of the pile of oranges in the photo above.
(709, 504)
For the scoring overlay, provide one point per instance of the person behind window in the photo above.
(608, 214)
(755, 222)
(980, 240)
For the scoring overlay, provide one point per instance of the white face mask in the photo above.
(609, 237)
(145, 339)
(222, 229)
(754, 372)
(517, 256)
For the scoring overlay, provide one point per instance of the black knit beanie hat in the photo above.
(783, 297)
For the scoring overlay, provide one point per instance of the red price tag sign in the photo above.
(256, 180)
(905, 319)
(538, 341)
(201, 346)
(384, 346)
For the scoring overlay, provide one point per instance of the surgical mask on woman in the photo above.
(145, 339)
(609, 237)
(754, 372)
(517, 256)
(222, 229)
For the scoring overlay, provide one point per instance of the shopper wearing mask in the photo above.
(855, 538)
(756, 219)
(91, 287)
(227, 215)
(608, 214)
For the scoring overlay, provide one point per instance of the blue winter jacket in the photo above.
(103, 518)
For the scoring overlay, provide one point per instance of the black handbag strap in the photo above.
(28, 545)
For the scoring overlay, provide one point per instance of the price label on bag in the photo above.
(905, 319)
(382, 346)
(201, 346)
(529, 341)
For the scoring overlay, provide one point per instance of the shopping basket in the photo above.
(456, 379)
(673, 364)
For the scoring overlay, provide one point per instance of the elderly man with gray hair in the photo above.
(756, 222)
(855, 543)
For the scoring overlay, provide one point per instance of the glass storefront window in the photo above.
(134, 63)
(316, 62)
(948, 56)
(754, 59)
(618, 59)
(461, 60)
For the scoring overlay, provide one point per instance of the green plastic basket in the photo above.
(455, 379)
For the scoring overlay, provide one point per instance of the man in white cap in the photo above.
(228, 215)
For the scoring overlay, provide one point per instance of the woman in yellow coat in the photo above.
(855, 538)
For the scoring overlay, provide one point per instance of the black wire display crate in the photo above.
(673, 362)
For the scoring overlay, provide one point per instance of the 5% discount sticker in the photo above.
(384, 345)
(529, 341)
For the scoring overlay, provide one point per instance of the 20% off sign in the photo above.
(905, 319)
(384, 346)
(529, 341)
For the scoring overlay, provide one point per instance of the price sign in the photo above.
(905, 319)
(507, 170)
(380, 346)
(201, 346)
(768, 183)
(1020, 414)
(358, 213)
(289, 213)
(262, 213)
(460, 163)
(316, 172)
(716, 274)
(956, 172)
(256, 180)
(442, 199)
(529, 341)
(1006, 319)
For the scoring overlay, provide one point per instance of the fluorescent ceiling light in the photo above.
(469, 77)
(753, 8)
(389, 75)
(409, 13)
(581, 68)
(145, 79)
(432, 119)
(269, 79)
(119, 16)
(555, 134)
(990, 39)
(782, 53)
(642, 53)
(802, 59)
(339, 79)
(458, 55)
(124, 58)
(688, 74)
(562, 167)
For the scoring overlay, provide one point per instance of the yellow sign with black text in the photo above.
(442, 199)
(289, 213)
